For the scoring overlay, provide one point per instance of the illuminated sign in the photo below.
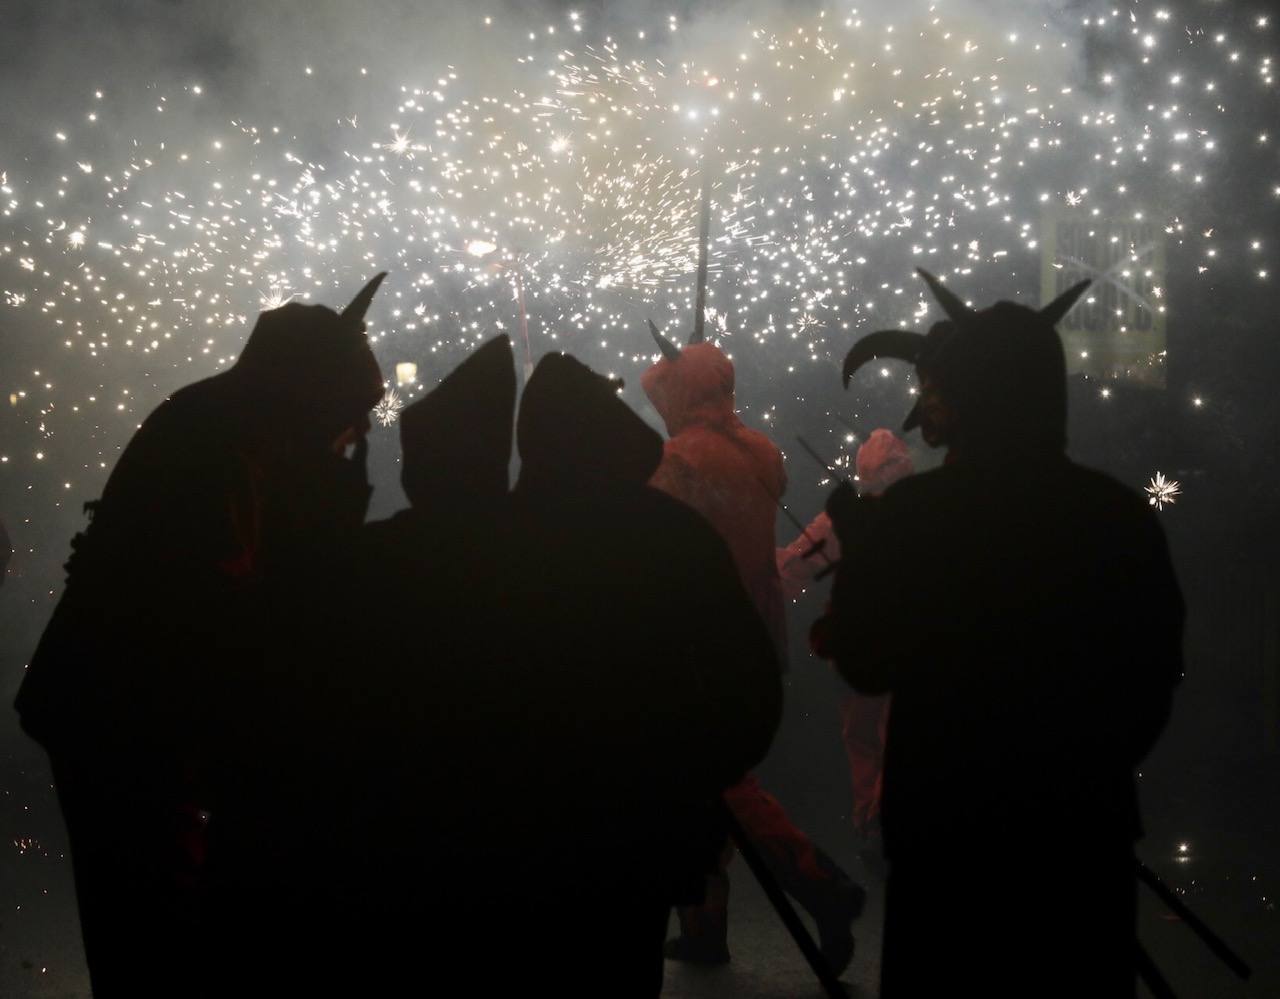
(1118, 329)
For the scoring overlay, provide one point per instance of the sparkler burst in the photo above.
(1161, 491)
(387, 411)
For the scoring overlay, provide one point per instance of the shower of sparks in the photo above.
(1161, 491)
(387, 411)
(840, 153)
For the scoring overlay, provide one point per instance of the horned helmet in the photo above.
(1001, 370)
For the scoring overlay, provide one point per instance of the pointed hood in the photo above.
(573, 428)
(456, 440)
(313, 365)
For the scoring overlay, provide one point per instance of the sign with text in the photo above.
(1117, 331)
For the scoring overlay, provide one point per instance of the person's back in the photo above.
(1024, 614)
(732, 475)
(1050, 597)
(422, 723)
(649, 682)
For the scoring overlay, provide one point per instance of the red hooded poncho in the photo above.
(730, 474)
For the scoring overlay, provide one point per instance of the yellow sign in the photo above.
(1118, 329)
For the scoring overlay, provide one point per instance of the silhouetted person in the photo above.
(734, 477)
(1023, 613)
(649, 681)
(426, 729)
(151, 681)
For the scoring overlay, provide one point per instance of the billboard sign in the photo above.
(1118, 329)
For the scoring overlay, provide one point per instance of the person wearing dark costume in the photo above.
(1023, 612)
(426, 722)
(733, 476)
(649, 681)
(149, 687)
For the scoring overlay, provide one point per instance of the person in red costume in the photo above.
(733, 476)
(882, 460)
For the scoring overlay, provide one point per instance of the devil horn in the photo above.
(904, 345)
(354, 313)
(669, 350)
(956, 310)
(1060, 306)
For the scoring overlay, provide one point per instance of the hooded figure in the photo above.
(730, 474)
(1024, 614)
(151, 676)
(646, 682)
(423, 725)
(734, 477)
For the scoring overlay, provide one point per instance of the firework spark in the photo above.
(1161, 491)
(387, 411)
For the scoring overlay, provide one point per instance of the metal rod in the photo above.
(785, 910)
(820, 460)
(704, 240)
(1211, 940)
(1151, 974)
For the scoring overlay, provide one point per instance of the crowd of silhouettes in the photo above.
(261, 798)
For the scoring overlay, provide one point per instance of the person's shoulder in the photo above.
(921, 487)
(656, 502)
(201, 413)
(673, 518)
(1105, 492)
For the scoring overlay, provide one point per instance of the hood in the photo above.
(1002, 369)
(456, 440)
(573, 428)
(694, 386)
(1006, 375)
(312, 366)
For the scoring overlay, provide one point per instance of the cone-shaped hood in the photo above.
(456, 440)
(695, 387)
(573, 428)
(355, 311)
(311, 364)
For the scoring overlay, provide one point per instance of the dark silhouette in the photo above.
(734, 477)
(153, 688)
(649, 686)
(427, 716)
(1023, 612)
